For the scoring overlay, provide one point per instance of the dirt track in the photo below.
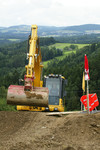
(36, 131)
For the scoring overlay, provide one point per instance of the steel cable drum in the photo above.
(37, 97)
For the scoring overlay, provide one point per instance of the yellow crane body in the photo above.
(32, 93)
(56, 99)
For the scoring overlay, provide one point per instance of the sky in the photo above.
(49, 12)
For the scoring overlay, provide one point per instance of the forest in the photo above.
(12, 62)
(72, 68)
(79, 39)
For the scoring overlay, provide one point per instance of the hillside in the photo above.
(65, 47)
(68, 62)
(72, 67)
(50, 30)
(86, 28)
(13, 56)
(21, 32)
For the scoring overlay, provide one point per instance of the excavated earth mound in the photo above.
(37, 131)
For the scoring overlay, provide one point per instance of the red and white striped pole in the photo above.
(87, 78)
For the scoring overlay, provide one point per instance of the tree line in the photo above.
(79, 39)
(13, 57)
(12, 62)
(72, 68)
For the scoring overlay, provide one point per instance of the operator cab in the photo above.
(55, 84)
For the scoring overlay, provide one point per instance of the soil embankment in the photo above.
(37, 131)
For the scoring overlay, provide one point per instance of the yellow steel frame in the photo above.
(35, 67)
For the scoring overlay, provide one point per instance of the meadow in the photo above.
(62, 45)
(65, 52)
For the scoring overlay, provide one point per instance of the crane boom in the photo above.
(32, 93)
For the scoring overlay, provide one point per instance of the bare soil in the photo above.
(37, 131)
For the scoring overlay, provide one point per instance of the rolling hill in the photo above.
(51, 30)
(20, 33)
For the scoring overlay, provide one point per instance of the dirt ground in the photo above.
(37, 131)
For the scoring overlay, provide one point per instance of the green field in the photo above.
(65, 53)
(62, 45)
(13, 40)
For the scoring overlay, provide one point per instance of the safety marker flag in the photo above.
(86, 68)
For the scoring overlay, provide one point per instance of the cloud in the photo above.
(49, 12)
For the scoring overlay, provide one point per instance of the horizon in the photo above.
(47, 25)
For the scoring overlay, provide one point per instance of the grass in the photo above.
(4, 106)
(62, 45)
(65, 53)
(14, 40)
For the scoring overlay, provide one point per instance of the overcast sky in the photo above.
(49, 12)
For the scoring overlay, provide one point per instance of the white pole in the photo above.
(88, 98)
(81, 106)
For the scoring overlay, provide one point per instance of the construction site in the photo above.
(38, 130)
(39, 121)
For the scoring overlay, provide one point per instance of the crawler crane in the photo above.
(33, 96)
(32, 93)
